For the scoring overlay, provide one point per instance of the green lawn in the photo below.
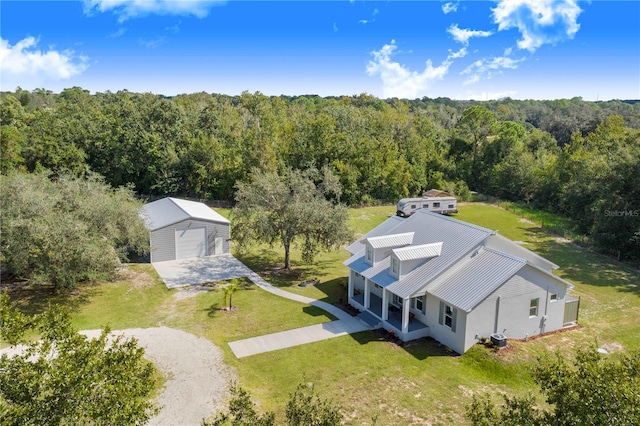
(367, 376)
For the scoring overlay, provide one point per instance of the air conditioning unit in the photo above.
(500, 340)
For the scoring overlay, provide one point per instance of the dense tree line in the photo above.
(577, 158)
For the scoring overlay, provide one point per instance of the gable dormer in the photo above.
(377, 248)
(406, 259)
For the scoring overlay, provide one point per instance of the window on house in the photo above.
(369, 254)
(394, 266)
(420, 303)
(397, 300)
(450, 206)
(426, 206)
(533, 307)
(436, 205)
(448, 316)
(553, 297)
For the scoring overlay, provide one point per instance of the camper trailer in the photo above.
(433, 200)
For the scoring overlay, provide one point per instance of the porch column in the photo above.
(350, 286)
(367, 294)
(385, 304)
(406, 304)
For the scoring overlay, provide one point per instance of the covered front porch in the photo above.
(393, 316)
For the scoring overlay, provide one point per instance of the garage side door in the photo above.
(191, 242)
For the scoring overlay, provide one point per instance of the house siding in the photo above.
(443, 334)
(163, 240)
(506, 311)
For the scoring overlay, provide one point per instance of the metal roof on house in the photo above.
(458, 238)
(168, 211)
(476, 278)
(381, 229)
(392, 240)
(423, 251)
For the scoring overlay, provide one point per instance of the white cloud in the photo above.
(487, 96)
(335, 27)
(459, 54)
(450, 7)
(463, 35)
(538, 21)
(152, 43)
(398, 80)
(471, 80)
(23, 65)
(175, 29)
(369, 21)
(126, 9)
(121, 31)
(489, 67)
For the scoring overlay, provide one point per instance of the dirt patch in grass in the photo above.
(138, 278)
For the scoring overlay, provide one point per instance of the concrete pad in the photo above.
(295, 337)
(200, 270)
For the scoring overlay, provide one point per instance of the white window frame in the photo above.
(436, 205)
(534, 307)
(448, 316)
(397, 300)
(419, 303)
(395, 266)
(553, 297)
(369, 255)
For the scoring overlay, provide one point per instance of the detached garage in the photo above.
(182, 229)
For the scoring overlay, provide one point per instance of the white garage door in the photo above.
(191, 242)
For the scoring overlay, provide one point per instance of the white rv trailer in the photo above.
(443, 204)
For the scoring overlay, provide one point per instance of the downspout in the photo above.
(495, 324)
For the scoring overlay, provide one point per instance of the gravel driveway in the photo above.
(197, 379)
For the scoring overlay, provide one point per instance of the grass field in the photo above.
(368, 377)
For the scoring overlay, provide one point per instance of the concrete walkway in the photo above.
(295, 337)
(190, 272)
(346, 324)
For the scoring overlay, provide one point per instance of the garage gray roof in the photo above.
(168, 211)
(476, 278)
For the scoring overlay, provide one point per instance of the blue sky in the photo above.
(524, 49)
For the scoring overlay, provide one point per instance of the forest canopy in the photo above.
(576, 158)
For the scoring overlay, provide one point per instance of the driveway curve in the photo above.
(197, 379)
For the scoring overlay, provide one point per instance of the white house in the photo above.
(432, 275)
(182, 229)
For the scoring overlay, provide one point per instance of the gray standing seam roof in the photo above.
(381, 229)
(423, 251)
(476, 278)
(458, 238)
(391, 240)
(168, 211)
